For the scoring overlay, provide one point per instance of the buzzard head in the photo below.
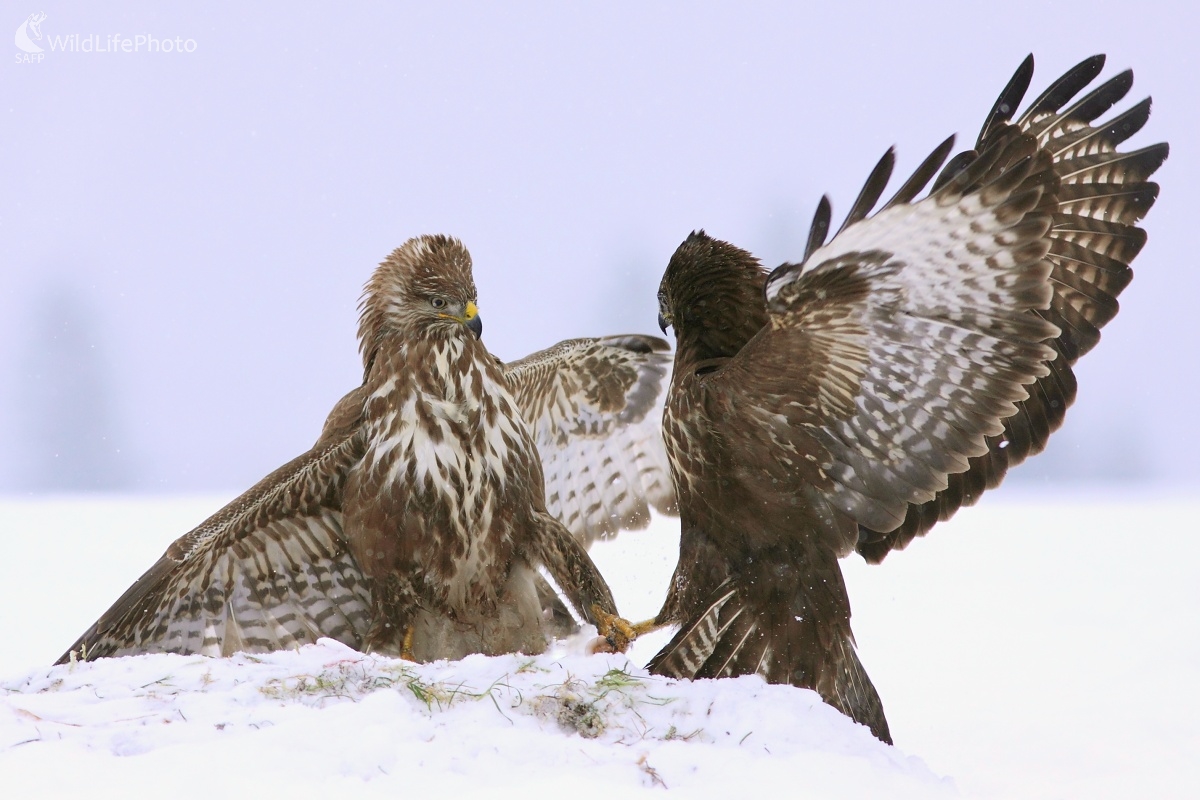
(712, 295)
(424, 287)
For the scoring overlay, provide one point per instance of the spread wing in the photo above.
(269, 571)
(896, 349)
(594, 407)
(1093, 238)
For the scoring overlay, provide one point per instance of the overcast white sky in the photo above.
(184, 236)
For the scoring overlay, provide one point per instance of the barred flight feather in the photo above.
(1092, 239)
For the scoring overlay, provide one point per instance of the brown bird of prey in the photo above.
(418, 522)
(850, 401)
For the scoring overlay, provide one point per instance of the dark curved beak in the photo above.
(663, 324)
(475, 326)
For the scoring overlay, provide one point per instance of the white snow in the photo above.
(1033, 647)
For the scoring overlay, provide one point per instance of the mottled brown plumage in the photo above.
(850, 401)
(417, 523)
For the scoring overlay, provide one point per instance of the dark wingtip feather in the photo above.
(869, 195)
(1166, 150)
(1126, 124)
(1009, 98)
(1005, 146)
(922, 174)
(820, 227)
(1059, 93)
(1104, 97)
(953, 168)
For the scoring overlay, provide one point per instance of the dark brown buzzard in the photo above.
(850, 401)
(418, 522)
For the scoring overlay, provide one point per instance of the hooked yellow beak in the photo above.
(470, 318)
(473, 322)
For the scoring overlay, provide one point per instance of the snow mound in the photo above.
(329, 719)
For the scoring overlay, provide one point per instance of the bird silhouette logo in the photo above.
(31, 25)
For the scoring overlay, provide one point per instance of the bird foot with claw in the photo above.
(406, 651)
(617, 632)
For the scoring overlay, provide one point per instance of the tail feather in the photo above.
(852, 692)
(693, 646)
(741, 645)
(732, 637)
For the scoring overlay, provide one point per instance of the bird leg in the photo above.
(393, 606)
(573, 570)
(646, 626)
(406, 651)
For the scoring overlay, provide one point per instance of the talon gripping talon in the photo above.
(617, 631)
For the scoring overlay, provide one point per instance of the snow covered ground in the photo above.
(1037, 646)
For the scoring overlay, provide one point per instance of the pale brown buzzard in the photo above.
(418, 522)
(852, 400)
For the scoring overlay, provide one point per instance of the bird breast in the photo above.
(443, 437)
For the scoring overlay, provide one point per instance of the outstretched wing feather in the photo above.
(594, 407)
(270, 570)
(1092, 239)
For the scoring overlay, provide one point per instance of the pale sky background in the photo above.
(184, 236)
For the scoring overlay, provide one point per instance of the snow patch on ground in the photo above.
(328, 717)
(1037, 646)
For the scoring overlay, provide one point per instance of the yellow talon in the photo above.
(645, 626)
(617, 631)
(406, 649)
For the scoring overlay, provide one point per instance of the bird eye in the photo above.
(438, 302)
